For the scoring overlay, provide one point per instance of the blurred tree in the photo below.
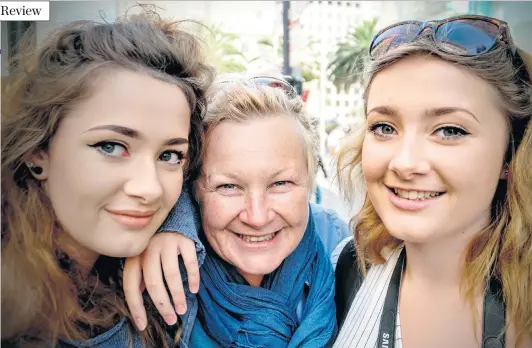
(274, 45)
(223, 49)
(266, 41)
(351, 54)
(310, 69)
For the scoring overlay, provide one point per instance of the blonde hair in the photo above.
(240, 98)
(505, 246)
(43, 297)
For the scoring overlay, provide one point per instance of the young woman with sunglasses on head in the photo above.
(444, 238)
(267, 279)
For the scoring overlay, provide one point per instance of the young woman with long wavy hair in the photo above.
(101, 124)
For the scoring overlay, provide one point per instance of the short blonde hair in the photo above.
(240, 98)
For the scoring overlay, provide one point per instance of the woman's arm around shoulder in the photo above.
(184, 218)
(329, 226)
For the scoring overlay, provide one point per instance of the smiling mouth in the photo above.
(256, 239)
(415, 195)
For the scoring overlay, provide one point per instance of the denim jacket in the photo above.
(183, 219)
(331, 229)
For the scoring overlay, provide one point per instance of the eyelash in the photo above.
(284, 183)
(462, 132)
(180, 155)
(99, 145)
(225, 188)
(373, 129)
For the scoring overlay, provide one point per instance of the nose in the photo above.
(409, 160)
(144, 182)
(257, 212)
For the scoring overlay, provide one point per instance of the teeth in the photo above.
(416, 195)
(251, 239)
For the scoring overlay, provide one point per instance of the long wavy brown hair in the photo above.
(504, 248)
(45, 297)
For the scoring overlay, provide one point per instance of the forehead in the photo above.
(134, 100)
(422, 82)
(268, 142)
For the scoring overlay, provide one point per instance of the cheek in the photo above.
(77, 171)
(375, 160)
(294, 209)
(217, 212)
(473, 168)
(172, 185)
(475, 184)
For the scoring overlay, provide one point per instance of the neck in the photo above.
(83, 257)
(433, 265)
(438, 263)
(252, 279)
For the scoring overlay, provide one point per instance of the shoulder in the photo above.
(329, 226)
(319, 212)
(346, 244)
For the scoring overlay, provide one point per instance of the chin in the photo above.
(133, 249)
(259, 267)
(421, 235)
(411, 228)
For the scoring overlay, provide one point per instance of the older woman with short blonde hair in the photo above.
(267, 280)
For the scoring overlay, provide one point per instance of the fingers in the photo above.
(172, 275)
(132, 283)
(188, 253)
(153, 278)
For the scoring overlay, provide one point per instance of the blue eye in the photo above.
(382, 129)
(172, 157)
(111, 148)
(451, 132)
(226, 187)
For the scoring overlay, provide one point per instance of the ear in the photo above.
(39, 164)
(504, 172)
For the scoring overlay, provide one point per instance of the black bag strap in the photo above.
(349, 278)
(494, 319)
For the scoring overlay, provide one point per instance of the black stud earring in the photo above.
(34, 169)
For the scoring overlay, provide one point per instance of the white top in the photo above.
(361, 326)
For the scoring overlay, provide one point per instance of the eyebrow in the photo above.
(240, 178)
(384, 110)
(449, 110)
(132, 133)
(391, 111)
(282, 171)
(229, 175)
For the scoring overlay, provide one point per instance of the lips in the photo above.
(416, 195)
(133, 213)
(255, 239)
(420, 200)
(131, 218)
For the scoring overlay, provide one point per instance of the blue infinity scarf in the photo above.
(235, 314)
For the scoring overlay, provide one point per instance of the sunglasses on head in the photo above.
(270, 82)
(467, 35)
